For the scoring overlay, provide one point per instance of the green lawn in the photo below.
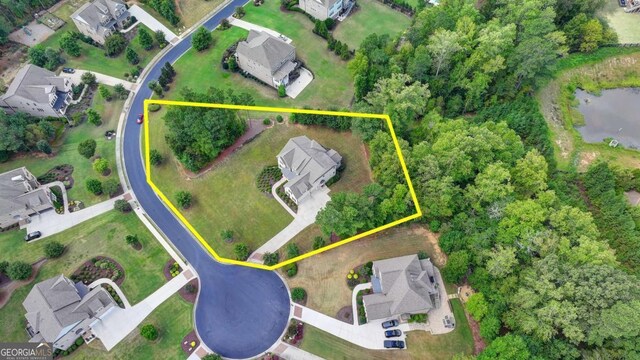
(227, 197)
(103, 235)
(420, 345)
(331, 87)
(371, 17)
(66, 152)
(626, 25)
(173, 319)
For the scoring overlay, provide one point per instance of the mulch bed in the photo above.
(478, 342)
(166, 270)
(61, 173)
(187, 296)
(295, 333)
(345, 314)
(137, 246)
(89, 272)
(186, 342)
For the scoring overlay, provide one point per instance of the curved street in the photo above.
(240, 311)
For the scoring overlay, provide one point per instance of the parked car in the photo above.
(392, 333)
(389, 324)
(68, 70)
(140, 118)
(394, 344)
(448, 321)
(32, 235)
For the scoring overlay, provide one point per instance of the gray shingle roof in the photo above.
(265, 49)
(18, 192)
(408, 286)
(99, 14)
(305, 162)
(35, 83)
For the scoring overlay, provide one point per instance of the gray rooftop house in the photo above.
(268, 58)
(101, 18)
(402, 285)
(21, 196)
(307, 166)
(38, 92)
(60, 311)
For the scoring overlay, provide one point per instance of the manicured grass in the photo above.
(66, 152)
(420, 345)
(332, 85)
(371, 17)
(227, 197)
(103, 235)
(323, 275)
(192, 11)
(173, 319)
(604, 69)
(626, 25)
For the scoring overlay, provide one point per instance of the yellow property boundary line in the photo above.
(206, 245)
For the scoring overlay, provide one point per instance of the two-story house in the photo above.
(266, 57)
(101, 18)
(21, 196)
(38, 92)
(323, 9)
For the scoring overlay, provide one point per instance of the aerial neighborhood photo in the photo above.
(320, 179)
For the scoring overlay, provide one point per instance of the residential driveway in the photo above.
(76, 78)
(250, 26)
(295, 88)
(151, 22)
(305, 216)
(39, 33)
(118, 322)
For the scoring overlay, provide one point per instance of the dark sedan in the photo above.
(32, 235)
(392, 333)
(394, 344)
(389, 324)
(68, 70)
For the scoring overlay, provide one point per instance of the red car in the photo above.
(140, 118)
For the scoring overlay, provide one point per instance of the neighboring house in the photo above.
(402, 285)
(266, 57)
(307, 166)
(38, 92)
(59, 311)
(21, 196)
(101, 18)
(323, 9)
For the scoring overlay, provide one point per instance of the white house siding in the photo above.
(314, 8)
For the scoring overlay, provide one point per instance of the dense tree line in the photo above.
(340, 123)
(16, 13)
(197, 134)
(166, 8)
(22, 132)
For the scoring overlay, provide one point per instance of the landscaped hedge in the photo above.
(267, 177)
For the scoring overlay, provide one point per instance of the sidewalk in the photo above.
(49, 222)
(100, 78)
(151, 22)
(118, 322)
(290, 352)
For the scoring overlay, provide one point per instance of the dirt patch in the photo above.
(345, 314)
(585, 159)
(190, 342)
(478, 342)
(190, 291)
(12, 57)
(436, 254)
(465, 292)
(9, 287)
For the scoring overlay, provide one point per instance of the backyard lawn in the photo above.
(103, 235)
(420, 345)
(227, 198)
(173, 319)
(331, 87)
(371, 17)
(324, 275)
(626, 25)
(66, 151)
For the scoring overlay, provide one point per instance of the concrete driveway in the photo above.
(76, 78)
(295, 88)
(151, 22)
(39, 33)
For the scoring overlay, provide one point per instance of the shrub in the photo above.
(292, 250)
(191, 289)
(212, 357)
(226, 235)
(242, 251)
(19, 270)
(239, 12)
(292, 270)
(149, 332)
(224, 24)
(120, 92)
(132, 56)
(279, 118)
(434, 225)
(131, 239)
(298, 294)
(145, 39)
(3, 266)
(88, 78)
(43, 145)
(114, 44)
(154, 107)
(368, 268)
(282, 92)
(201, 39)
(92, 116)
(270, 259)
(53, 249)
(79, 341)
(160, 38)
(122, 206)
(154, 157)
(105, 93)
(94, 186)
(422, 255)
(111, 187)
(318, 242)
(101, 166)
(266, 121)
(418, 318)
(184, 199)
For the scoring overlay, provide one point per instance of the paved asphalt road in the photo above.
(241, 311)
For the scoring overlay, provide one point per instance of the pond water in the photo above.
(614, 114)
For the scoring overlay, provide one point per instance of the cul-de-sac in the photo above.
(320, 179)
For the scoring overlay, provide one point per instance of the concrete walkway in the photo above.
(151, 22)
(100, 78)
(115, 287)
(118, 322)
(290, 352)
(354, 302)
(278, 199)
(295, 88)
(65, 200)
(250, 26)
(49, 222)
(305, 216)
